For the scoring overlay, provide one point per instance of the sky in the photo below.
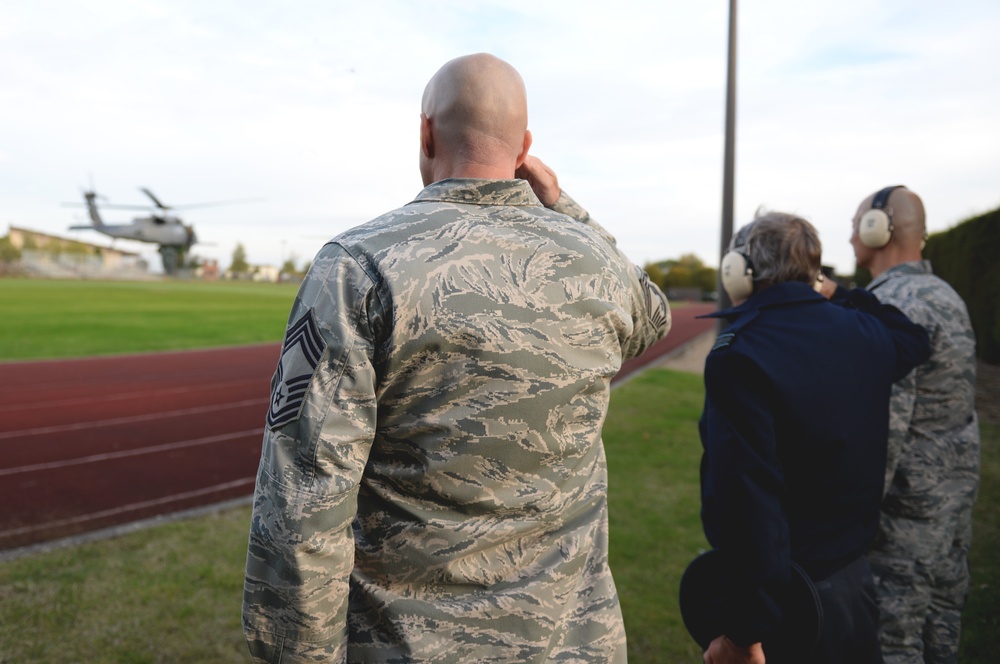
(313, 107)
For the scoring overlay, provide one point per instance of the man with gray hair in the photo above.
(920, 556)
(432, 485)
(794, 432)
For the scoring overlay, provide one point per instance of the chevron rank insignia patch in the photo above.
(724, 340)
(300, 355)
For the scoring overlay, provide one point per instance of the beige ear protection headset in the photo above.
(875, 226)
(737, 275)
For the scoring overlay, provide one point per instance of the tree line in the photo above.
(687, 275)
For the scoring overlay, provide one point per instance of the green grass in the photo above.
(56, 319)
(653, 449)
(166, 594)
(981, 620)
(172, 593)
(43, 319)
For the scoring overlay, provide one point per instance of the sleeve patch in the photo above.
(300, 355)
(724, 340)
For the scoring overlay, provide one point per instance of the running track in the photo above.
(91, 444)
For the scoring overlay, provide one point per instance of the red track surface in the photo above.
(684, 327)
(94, 443)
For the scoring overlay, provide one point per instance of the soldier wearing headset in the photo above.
(920, 555)
(794, 433)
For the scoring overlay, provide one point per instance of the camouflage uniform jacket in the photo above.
(933, 429)
(432, 486)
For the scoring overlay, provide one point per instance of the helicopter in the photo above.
(173, 236)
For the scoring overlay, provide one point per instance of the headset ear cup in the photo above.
(737, 276)
(875, 229)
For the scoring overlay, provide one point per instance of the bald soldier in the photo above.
(920, 555)
(432, 485)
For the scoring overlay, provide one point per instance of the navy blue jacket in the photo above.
(794, 433)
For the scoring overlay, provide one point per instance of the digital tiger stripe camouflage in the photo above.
(920, 555)
(438, 492)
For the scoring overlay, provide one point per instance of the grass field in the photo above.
(172, 593)
(54, 318)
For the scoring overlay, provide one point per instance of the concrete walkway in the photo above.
(691, 356)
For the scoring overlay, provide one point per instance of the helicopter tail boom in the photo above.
(95, 217)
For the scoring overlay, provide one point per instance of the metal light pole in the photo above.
(729, 155)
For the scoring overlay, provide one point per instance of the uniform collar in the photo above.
(779, 295)
(902, 269)
(479, 192)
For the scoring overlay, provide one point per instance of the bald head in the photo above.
(908, 221)
(474, 120)
(908, 228)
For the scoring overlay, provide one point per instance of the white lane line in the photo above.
(62, 403)
(126, 508)
(77, 426)
(153, 449)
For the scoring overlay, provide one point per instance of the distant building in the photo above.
(45, 255)
(209, 270)
(255, 273)
(264, 273)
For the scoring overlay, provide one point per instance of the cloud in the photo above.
(314, 106)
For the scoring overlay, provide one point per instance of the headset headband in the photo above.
(882, 197)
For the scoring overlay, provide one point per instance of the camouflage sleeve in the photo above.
(904, 397)
(569, 207)
(651, 311)
(651, 314)
(320, 428)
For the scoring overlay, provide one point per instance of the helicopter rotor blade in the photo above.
(153, 198)
(109, 206)
(162, 206)
(104, 205)
(217, 203)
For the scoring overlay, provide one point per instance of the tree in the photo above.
(688, 271)
(192, 261)
(239, 264)
(656, 274)
(8, 252)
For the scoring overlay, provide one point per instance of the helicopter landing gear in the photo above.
(170, 257)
